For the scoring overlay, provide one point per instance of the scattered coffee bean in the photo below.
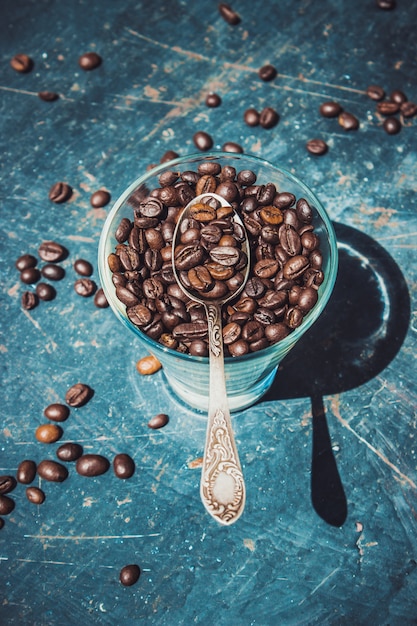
(398, 96)
(391, 125)
(387, 107)
(6, 505)
(69, 452)
(29, 300)
(89, 61)
(35, 495)
(57, 412)
(92, 465)
(123, 466)
(330, 109)
(158, 421)
(231, 146)
(83, 267)
(30, 275)
(348, 121)
(100, 299)
(48, 433)
(129, 575)
(268, 118)
(45, 292)
(100, 199)
(213, 100)
(387, 5)
(52, 471)
(202, 141)
(51, 271)
(48, 96)
(251, 117)
(317, 146)
(148, 365)
(7, 484)
(228, 14)
(408, 109)
(26, 261)
(60, 192)
(21, 63)
(52, 251)
(375, 92)
(78, 395)
(267, 72)
(85, 287)
(169, 155)
(26, 472)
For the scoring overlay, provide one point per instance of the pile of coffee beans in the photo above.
(284, 277)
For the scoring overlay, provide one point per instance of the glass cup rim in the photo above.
(283, 344)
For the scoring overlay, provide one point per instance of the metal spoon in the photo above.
(222, 486)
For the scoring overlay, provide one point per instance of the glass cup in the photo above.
(250, 376)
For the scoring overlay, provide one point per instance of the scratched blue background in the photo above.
(329, 531)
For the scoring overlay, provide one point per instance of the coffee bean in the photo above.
(53, 272)
(83, 267)
(375, 92)
(169, 155)
(148, 365)
(231, 146)
(268, 118)
(60, 192)
(317, 146)
(69, 452)
(295, 267)
(48, 96)
(251, 117)
(100, 199)
(26, 472)
(48, 433)
(35, 495)
(213, 100)
(7, 484)
(57, 412)
(21, 63)
(398, 96)
(100, 299)
(52, 251)
(387, 5)
(267, 72)
(387, 107)
(158, 421)
(408, 109)
(202, 140)
(89, 61)
(52, 471)
(228, 14)
(29, 300)
(78, 395)
(92, 465)
(85, 287)
(348, 121)
(330, 109)
(6, 505)
(129, 575)
(45, 292)
(123, 466)
(26, 261)
(30, 275)
(391, 125)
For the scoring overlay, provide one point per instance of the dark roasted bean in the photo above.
(129, 575)
(251, 117)
(21, 63)
(52, 471)
(78, 395)
(387, 5)
(48, 96)
(69, 452)
(48, 433)
(348, 121)
(52, 252)
(387, 107)
(29, 300)
(100, 299)
(123, 466)
(391, 125)
(268, 117)
(57, 412)
(26, 471)
(83, 267)
(51, 271)
(35, 495)
(228, 14)
(330, 109)
(45, 292)
(100, 199)
(213, 100)
(317, 146)
(89, 61)
(202, 140)
(60, 192)
(375, 92)
(26, 261)
(6, 505)
(85, 287)
(408, 109)
(30, 275)
(92, 465)
(267, 72)
(232, 146)
(7, 484)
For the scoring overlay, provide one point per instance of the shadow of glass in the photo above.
(356, 337)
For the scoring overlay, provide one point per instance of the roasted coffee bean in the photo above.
(169, 155)
(251, 117)
(290, 240)
(307, 299)
(267, 72)
(26, 261)
(45, 292)
(89, 61)
(48, 96)
(228, 14)
(268, 117)
(85, 287)
(51, 271)
(387, 107)
(60, 192)
(48, 433)
(57, 412)
(276, 332)
(158, 421)
(69, 452)
(83, 267)
(35, 495)
(21, 63)
(7, 484)
(123, 466)
(129, 575)
(293, 317)
(330, 109)
(78, 395)
(387, 5)
(148, 365)
(295, 267)
(52, 251)
(6, 505)
(26, 472)
(30, 275)
(213, 100)
(100, 299)
(123, 230)
(238, 348)
(391, 125)
(202, 140)
(348, 121)
(398, 96)
(375, 92)
(408, 109)
(29, 300)
(100, 199)
(304, 211)
(92, 465)
(317, 146)
(232, 146)
(52, 471)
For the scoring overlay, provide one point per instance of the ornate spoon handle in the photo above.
(222, 484)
